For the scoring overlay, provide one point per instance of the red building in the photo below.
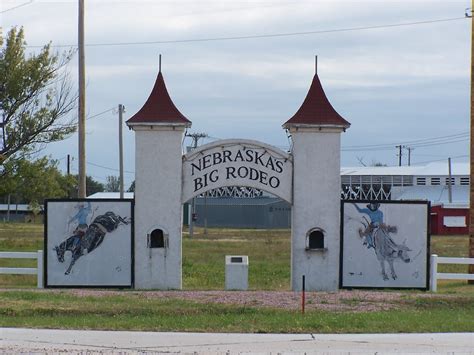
(449, 219)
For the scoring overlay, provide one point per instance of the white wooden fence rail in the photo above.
(435, 275)
(24, 270)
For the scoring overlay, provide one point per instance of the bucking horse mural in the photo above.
(376, 235)
(86, 238)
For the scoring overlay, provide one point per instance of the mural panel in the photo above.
(385, 244)
(89, 242)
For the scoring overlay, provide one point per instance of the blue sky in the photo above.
(395, 84)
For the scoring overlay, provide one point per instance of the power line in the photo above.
(391, 147)
(16, 7)
(441, 142)
(259, 36)
(75, 170)
(195, 138)
(101, 113)
(108, 168)
(436, 160)
(421, 140)
(425, 142)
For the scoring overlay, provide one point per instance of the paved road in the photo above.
(15, 340)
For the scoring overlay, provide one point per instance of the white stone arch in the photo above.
(237, 162)
(309, 179)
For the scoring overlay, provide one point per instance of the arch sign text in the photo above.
(237, 163)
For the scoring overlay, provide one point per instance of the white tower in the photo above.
(315, 130)
(159, 129)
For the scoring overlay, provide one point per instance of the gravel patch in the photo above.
(341, 301)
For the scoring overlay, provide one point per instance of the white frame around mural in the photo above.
(393, 255)
(89, 243)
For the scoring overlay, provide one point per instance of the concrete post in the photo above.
(40, 269)
(434, 273)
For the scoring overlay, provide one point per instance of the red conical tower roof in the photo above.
(316, 110)
(159, 108)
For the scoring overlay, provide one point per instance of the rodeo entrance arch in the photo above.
(308, 178)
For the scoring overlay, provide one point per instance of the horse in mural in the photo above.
(93, 237)
(386, 249)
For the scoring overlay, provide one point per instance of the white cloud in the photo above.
(398, 73)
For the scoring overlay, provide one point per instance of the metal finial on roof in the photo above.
(316, 109)
(159, 108)
(159, 64)
(315, 64)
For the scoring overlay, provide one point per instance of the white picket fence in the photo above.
(24, 270)
(435, 275)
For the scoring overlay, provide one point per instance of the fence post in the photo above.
(40, 269)
(303, 296)
(434, 273)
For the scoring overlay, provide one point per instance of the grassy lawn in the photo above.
(203, 256)
(20, 237)
(131, 311)
(452, 309)
(268, 251)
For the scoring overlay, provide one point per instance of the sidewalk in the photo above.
(15, 340)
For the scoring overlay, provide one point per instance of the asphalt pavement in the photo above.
(18, 340)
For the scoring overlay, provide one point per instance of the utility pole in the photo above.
(68, 167)
(82, 105)
(8, 208)
(121, 110)
(205, 214)
(400, 147)
(450, 189)
(195, 137)
(409, 154)
(471, 178)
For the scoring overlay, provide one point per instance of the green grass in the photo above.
(20, 237)
(131, 311)
(203, 256)
(268, 251)
(203, 269)
(456, 246)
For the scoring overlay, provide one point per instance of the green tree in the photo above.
(92, 186)
(132, 187)
(35, 98)
(112, 184)
(34, 181)
(40, 180)
(8, 184)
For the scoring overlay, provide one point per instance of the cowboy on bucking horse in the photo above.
(376, 221)
(81, 218)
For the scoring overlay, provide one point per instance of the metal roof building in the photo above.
(429, 182)
(424, 182)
